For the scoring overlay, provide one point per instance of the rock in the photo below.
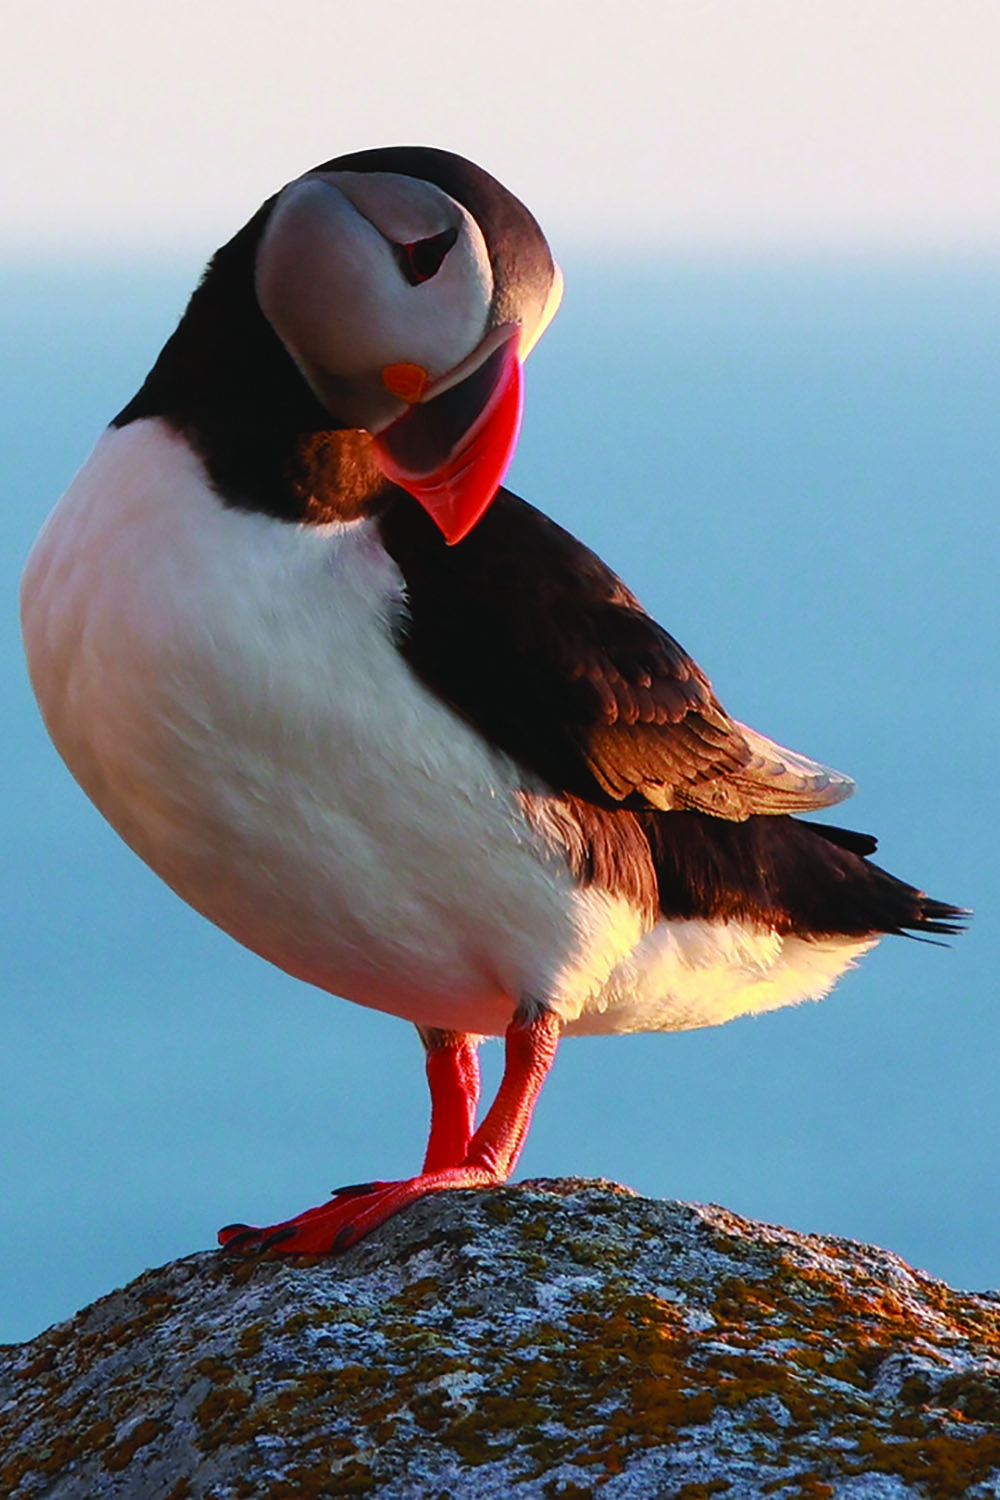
(555, 1339)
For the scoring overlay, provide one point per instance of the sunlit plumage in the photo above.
(385, 723)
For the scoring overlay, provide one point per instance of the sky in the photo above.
(769, 400)
(750, 124)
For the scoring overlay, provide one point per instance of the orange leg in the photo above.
(453, 1079)
(488, 1160)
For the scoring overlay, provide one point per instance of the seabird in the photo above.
(384, 722)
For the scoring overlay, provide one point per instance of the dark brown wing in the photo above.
(534, 640)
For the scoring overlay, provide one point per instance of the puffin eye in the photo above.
(423, 259)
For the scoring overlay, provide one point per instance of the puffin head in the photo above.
(408, 287)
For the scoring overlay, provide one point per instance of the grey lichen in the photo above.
(558, 1340)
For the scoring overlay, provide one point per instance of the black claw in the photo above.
(355, 1190)
(279, 1236)
(246, 1236)
(343, 1239)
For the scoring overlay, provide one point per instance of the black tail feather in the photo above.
(936, 916)
(845, 838)
(928, 915)
(779, 872)
(799, 877)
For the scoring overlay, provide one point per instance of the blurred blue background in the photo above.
(794, 463)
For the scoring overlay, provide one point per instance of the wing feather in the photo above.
(533, 639)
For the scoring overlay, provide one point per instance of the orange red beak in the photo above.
(452, 451)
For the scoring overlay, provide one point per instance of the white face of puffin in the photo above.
(380, 287)
(332, 279)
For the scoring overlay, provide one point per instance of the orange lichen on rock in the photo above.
(545, 1341)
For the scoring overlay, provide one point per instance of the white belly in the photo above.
(225, 688)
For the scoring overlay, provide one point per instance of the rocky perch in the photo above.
(556, 1339)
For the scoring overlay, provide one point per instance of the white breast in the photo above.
(226, 689)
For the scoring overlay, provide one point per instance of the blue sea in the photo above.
(796, 467)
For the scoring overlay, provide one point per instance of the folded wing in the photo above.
(534, 640)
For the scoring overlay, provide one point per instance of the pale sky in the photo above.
(637, 125)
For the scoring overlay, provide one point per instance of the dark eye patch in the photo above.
(423, 259)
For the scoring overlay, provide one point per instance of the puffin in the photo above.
(388, 725)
